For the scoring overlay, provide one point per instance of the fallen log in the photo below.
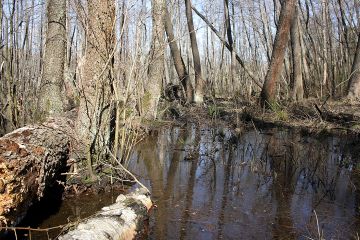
(122, 220)
(30, 160)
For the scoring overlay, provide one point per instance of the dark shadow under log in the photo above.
(31, 158)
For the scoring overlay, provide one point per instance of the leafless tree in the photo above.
(199, 81)
(268, 92)
(51, 99)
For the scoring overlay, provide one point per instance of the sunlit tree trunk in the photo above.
(199, 81)
(178, 60)
(354, 83)
(94, 115)
(268, 93)
(325, 53)
(51, 102)
(297, 91)
(156, 62)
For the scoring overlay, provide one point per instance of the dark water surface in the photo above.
(213, 184)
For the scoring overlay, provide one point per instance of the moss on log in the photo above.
(30, 160)
(121, 220)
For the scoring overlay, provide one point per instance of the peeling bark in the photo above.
(121, 220)
(30, 160)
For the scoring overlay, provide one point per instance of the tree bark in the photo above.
(268, 94)
(297, 85)
(121, 220)
(30, 160)
(178, 60)
(199, 81)
(156, 62)
(51, 103)
(354, 83)
(94, 116)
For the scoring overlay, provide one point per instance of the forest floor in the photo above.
(310, 116)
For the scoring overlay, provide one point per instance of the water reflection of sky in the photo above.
(215, 185)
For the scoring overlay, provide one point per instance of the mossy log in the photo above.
(30, 160)
(121, 220)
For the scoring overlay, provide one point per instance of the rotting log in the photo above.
(30, 160)
(121, 220)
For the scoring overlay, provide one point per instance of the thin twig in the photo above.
(128, 172)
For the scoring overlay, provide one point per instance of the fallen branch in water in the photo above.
(121, 220)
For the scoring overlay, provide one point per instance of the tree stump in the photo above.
(30, 160)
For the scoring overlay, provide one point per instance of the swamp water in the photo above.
(213, 184)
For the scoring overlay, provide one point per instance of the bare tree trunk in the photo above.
(268, 94)
(178, 60)
(297, 91)
(325, 55)
(156, 62)
(230, 41)
(51, 102)
(93, 120)
(199, 81)
(354, 83)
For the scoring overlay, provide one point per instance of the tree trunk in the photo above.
(156, 62)
(354, 83)
(94, 116)
(54, 59)
(30, 160)
(297, 91)
(178, 60)
(199, 81)
(121, 220)
(268, 94)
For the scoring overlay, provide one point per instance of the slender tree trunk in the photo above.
(297, 91)
(354, 83)
(156, 62)
(178, 60)
(325, 53)
(230, 41)
(51, 102)
(199, 81)
(268, 94)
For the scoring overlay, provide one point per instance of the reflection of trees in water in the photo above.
(190, 191)
(291, 173)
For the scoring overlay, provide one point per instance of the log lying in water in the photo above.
(122, 220)
(30, 159)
